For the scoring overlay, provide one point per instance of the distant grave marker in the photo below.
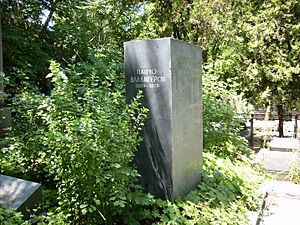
(168, 71)
(5, 121)
(19, 194)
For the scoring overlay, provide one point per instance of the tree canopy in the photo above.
(253, 45)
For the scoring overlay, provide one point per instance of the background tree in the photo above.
(67, 31)
(252, 45)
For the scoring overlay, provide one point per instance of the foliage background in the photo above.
(77, 113)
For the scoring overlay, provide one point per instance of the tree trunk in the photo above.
(1, 67)
(296, 126)
(1, 54)
(251, 131)
(280, 118)
(5, 114)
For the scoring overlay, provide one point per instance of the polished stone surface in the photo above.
(19, 194)
(168, 72)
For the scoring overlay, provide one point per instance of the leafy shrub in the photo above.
(52, 218)
(221, 126)
(84, 136)
(226, 193)
(294, 170)
(225, 181)
(11, 217)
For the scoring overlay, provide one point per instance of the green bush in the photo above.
(83, 137)
(221, 125)
(294, 170)
(228, 190)
(226, 181)
(52, 218)
(11, 217)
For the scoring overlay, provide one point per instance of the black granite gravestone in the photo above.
(18, 194)
(168, 71)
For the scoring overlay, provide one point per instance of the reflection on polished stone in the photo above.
(19, 194)
(168, 71)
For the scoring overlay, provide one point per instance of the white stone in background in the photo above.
(284, 144)
(282, 211)
(276, 161)
(282, 203)
(281, 189)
